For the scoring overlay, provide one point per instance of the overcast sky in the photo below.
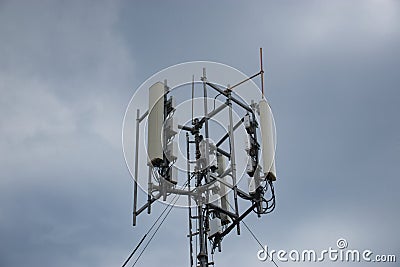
(69, 68)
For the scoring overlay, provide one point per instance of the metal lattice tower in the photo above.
(211, 185)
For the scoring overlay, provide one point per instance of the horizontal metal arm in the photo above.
(144, 207)
(175, 191)
(225, 93)
(223, 152)
(245, 80)
(237, 221)
(216, 111)
(227, 212)
(144, 116)
(185, 128)
(227, 134)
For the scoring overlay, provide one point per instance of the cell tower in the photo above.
(211, 181)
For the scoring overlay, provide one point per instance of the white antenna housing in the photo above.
(268, 146)
(223, 191)
(155, 123)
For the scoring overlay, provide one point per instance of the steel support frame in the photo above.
(203, 208)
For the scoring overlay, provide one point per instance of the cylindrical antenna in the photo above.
(262, 72)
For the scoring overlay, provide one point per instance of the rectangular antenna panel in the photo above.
(215, 227)
(173, 174)
(171, 126)
(172, 150)
(223, 188)
(267, 134)
(155, 123)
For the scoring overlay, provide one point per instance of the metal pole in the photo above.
(136, 168)
(203, 255)
(149, 189)
(192, 98)
(189, 200)
(165, 168)
(207, 156)
(233, 159)
(262, 72)
(204, 79)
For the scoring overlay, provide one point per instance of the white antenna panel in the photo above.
(223, 191)
(155, 123)
(268, 147)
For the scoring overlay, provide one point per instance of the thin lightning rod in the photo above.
(262, 71)
(192, 96)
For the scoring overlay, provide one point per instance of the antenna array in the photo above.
(211, 185)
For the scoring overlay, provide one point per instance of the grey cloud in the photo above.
(67, 71)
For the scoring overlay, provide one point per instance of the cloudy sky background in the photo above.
(69, 68)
